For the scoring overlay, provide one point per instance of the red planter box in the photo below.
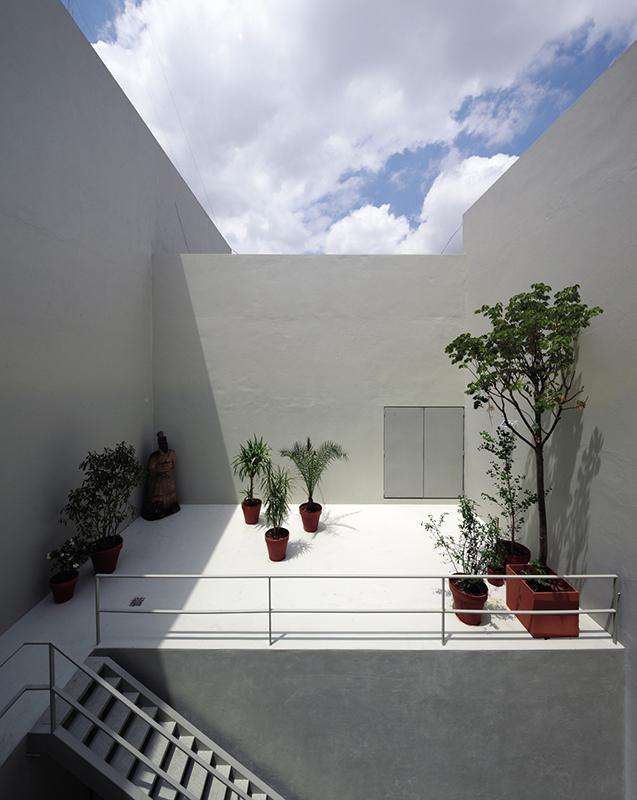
(551, 626)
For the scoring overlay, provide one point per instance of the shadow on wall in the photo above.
(185, 405)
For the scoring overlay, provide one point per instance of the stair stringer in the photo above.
(97, 662)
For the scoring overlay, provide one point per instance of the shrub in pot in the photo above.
(65, 564)
(543, 594)
(311, 462)
(276, 487)
(468, 552)
(511, 497)
(251, 462)
(100, 505)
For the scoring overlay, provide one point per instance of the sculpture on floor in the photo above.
(161, 487)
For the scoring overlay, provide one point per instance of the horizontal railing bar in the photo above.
(180, 611)
(198, 576)
(31, 687)
(363, 611)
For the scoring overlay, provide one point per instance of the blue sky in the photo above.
(339, 127)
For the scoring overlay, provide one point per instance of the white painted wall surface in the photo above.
(566, 213)
(86, 196)
(291, 346)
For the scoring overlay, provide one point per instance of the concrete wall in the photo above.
(379, 724)
(565, 213)
(86, 196)
(291, 346)
(27, 778)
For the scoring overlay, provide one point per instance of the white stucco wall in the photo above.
(291, 346)
(565, 213)
(86, 196)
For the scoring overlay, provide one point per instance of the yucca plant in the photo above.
(277, 488)
(311, 462)
(252, 461)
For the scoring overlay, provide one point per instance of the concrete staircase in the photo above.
(122, 741)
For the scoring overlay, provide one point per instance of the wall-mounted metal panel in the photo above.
(403, 452)
(443, 452)
(424, 451)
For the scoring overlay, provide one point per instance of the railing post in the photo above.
(444, 615)
(97, 610)
(616, 596)
(52, 721)
(270, 611)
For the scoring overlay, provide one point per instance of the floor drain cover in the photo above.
(136, 601)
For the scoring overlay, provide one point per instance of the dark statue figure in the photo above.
(161, 488)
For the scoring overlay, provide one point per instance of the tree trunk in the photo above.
(541, 504)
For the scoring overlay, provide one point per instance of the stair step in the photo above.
(176, 766)
(116, 718)
(217, 790)
(94, 700)
(136, 733)
(196, 776)
(154, 749)
(243, 784)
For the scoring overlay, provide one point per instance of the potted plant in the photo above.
(468, 553)
(98, 507)
(277, 487)
(512, 498)
(525, 365)
(543, 594)
(252, 461)
(311, 462)
(65, 564)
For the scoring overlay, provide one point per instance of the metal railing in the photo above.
(56, 692)
(442, 611)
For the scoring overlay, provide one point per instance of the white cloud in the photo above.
(372, 229)
(368, 229)
(281, 100)
(456, 188)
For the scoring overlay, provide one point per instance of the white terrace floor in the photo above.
(386, 540)
(213, 540)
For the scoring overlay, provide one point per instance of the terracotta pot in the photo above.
(310, 518)
(522, 596)
(462, 599)
(515, 553)
(105, 561)
(63, 586)
(251, 511)
(276, 545)
(495, 571)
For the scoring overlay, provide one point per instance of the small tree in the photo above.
(98, 507)
(513, 499)
(525, 366)
(311, 462)
(252, 460)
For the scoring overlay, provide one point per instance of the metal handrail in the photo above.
(56, 692)
(443, 610)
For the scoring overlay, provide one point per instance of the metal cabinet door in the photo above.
(404, 429)
(443, 452)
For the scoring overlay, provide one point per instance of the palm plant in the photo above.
(311, 462)
(252, 461)
(277, 488)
